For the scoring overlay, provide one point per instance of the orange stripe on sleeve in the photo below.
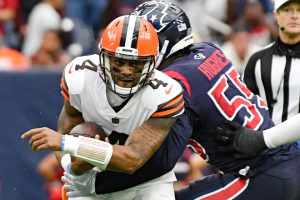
(65, 96)
(168, 110)
(172, 102)
(63, 86)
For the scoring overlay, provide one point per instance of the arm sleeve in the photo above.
(159, 164)
(249, 74)
(286, 132)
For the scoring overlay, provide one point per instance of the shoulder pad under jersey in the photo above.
(161, 90)
(75, 72)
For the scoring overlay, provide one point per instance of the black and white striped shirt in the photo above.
(274, 74)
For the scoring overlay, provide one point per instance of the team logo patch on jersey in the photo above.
(199, 56)
(115, 120)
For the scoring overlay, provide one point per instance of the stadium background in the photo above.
(27, 100)
(30, 90)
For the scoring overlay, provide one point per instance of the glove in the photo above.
(79, 186)
(239, 141)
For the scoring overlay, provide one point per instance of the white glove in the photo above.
(79, 186)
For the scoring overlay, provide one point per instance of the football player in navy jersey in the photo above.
(213, 92)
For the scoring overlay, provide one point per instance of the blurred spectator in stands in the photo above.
(11, 59)
(235, 9)
(240, 46)
(197, 15)
(51, 171)
(44, 16)
(27, 6)
(263, 31)
(10, 22)
(87, 11)
(85, 14)
(113, 9)
(51, 52)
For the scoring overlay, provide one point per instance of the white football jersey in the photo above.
(85, 90)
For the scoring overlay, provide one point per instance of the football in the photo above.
(88, 129)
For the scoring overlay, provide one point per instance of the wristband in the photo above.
(62, 143)
(71, 171)
(69, 144)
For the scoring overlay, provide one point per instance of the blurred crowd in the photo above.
(48, 34)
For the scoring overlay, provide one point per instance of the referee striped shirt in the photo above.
(274, 74)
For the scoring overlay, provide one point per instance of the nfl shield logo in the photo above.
(115, 120)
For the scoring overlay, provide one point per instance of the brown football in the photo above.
(88, 129)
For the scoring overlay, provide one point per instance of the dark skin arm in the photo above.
(138, 149)
(140, 145)
(68, 119)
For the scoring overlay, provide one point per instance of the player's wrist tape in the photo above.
(96, 152)
(66, 164)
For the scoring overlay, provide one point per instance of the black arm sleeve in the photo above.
(249, 74)
(159, 164)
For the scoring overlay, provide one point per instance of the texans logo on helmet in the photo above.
(149, 10)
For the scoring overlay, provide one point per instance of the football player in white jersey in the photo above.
(120, 90)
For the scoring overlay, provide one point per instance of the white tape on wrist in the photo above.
(69, 144)
(96, 152)
(66, 164)
(65, 161)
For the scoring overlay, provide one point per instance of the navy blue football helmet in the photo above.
(171, 24)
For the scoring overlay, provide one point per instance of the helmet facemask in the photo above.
(138, 82)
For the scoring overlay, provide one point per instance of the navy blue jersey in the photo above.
(214, 90)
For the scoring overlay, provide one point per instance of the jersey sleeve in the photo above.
(170, 102)
(162, 161)
(172, 108)
(64, 87)
(72, 83)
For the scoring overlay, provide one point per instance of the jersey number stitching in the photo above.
(230, 108)
(84, 65)
(159, 83)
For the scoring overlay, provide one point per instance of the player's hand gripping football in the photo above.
(44, 138)
(79, 186)
(239, 141)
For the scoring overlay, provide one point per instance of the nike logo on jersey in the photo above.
(199, 56)
(169, 90)
(70, 72)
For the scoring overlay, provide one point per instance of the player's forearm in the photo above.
(286, 132)
(140, 145)
(68, 119)
(124, 159)
(162, 161)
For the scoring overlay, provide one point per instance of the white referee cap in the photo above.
(279, 3)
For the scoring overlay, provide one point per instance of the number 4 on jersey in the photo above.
(230, 108)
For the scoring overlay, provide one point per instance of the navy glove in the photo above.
(239, 141)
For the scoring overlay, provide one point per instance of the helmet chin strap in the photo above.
(162, 53)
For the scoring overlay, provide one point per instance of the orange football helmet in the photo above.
(132, 38)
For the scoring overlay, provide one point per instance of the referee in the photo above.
(274, 72)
